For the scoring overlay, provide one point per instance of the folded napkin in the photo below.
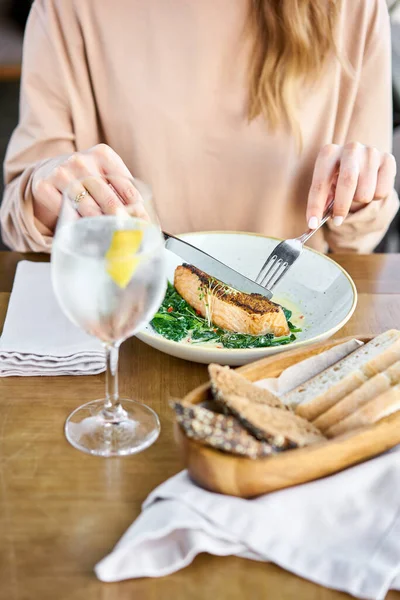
(342, 532)
(38, 339)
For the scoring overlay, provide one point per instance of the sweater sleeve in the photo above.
(44, 130)
(372, 125)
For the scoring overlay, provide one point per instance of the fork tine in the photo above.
(286, 266)
(284, 255)
(272, 271)
(269, 263)
(279, 261)
(268, 280)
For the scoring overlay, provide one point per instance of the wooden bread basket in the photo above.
(237, 476)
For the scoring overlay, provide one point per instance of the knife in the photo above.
(213, 267)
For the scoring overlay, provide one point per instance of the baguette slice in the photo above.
(219, 431)
(280, 428)
(320, 393)
(376, 409)
(225, 382)
(368, 391)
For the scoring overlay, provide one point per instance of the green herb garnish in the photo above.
(177, 320)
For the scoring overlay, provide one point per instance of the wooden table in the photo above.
(61, 511)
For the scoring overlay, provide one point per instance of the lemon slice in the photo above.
(121, 264)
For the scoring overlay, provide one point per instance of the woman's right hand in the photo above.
(79, 172)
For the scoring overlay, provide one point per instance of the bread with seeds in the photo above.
(219, 431)
(280, 428)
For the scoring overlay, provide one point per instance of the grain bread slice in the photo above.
(369, 390)
(280, 428)
(225, 381)
(219, 431)
(320, 393)
(376, 409)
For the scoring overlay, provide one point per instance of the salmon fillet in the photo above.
(229, 309)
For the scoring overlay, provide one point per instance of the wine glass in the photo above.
(109, 276)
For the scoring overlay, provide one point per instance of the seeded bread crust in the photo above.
(219, 431)
(282, 429)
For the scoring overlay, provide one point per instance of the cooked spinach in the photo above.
(288, 314)
(241, 340)
(177, 320)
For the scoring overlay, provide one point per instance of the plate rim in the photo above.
(142, 335)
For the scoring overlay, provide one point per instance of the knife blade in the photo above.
(213, 267)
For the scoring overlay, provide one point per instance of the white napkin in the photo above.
(38, 339)
(342, 532)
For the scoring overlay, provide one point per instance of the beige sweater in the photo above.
(164, 84)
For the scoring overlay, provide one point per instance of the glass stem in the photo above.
(112, 408)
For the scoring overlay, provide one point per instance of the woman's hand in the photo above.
(79, 173)
(354, 175)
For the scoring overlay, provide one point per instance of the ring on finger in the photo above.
(79, 197)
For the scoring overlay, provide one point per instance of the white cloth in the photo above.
(38, 339)
(341, 532)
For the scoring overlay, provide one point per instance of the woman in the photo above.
(240, 115)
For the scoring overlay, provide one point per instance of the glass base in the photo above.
(134, 428)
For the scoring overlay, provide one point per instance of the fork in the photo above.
(284, 255)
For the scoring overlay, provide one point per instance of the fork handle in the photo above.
(306, 236)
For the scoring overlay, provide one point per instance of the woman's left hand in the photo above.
(354, 175)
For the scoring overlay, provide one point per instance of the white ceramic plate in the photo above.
(316, 288)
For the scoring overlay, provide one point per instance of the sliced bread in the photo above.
(225, 381)
(320, 393)
(280, 428)
(219, 431)
(367, 391)
(376, 409)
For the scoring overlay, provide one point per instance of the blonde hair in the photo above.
(292, 40)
